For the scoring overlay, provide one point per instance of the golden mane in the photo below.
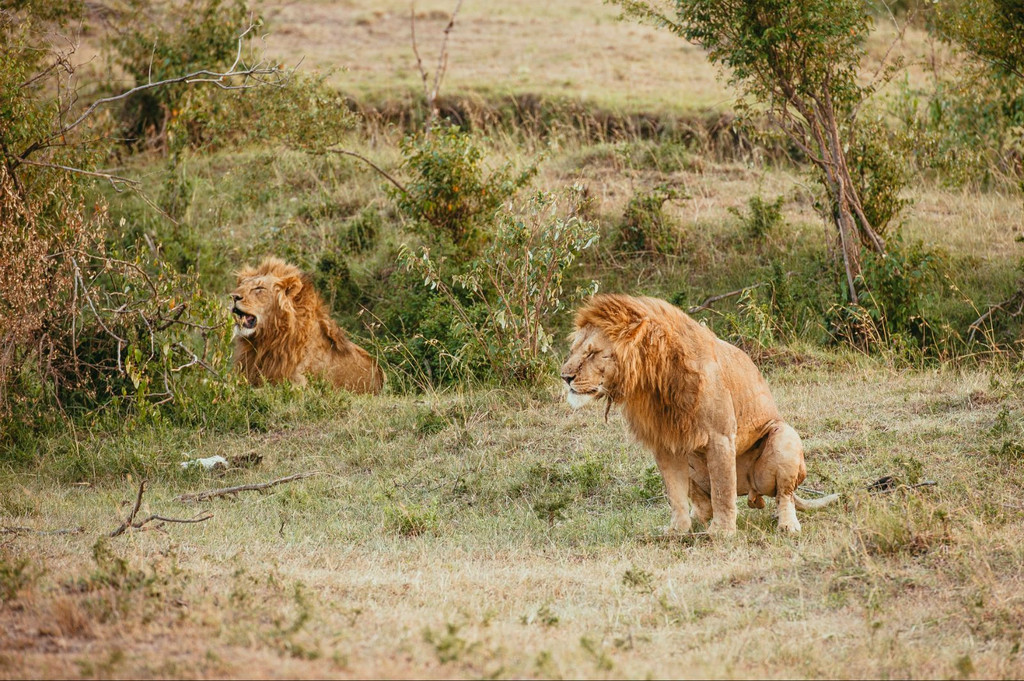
(659, 350)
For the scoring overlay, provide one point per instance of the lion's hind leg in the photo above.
(779, 471)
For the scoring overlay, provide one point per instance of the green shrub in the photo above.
(503, 302)
(762, 217)
(645, 227)
(890, 314)
(450, 193)
(159, 41)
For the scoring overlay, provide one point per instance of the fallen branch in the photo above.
(131, 523)
(253, 487)
(888, 483)
(1016, 297)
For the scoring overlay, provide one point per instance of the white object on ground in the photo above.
(208, 463)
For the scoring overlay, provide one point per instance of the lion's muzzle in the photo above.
(244, 320)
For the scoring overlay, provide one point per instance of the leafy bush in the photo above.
(451, 194)
(879, 171)
(503, 302)
(891, 314)
(762, 217)
(164, 40)
(645, 226)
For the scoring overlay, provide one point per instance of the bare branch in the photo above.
(131, 516)
(131, 523)
(373, 165)
(213, 493)
(1017, 297)
(29, 530)
(222, 79)
(442, 63)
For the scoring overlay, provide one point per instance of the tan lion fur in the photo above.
(293, 336)
(697, 402)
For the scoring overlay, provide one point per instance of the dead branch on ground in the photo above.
(1017, 298)
(252, 487)
(889, 483)
(131, 523)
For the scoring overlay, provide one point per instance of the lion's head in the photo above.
(263, 294)
(591, 371)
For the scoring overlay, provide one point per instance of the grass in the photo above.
(427, 545)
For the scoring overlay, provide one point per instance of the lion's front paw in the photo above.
(789, 526)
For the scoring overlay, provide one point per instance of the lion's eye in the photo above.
(257, 288)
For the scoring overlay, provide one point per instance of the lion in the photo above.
(283, 333)
(697, 402)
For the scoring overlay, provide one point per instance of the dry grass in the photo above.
(575, 48)
(494, 534)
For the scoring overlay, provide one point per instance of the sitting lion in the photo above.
(283, 333)
(697, 402)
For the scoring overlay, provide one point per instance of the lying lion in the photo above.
(283, 333)
(697, 402)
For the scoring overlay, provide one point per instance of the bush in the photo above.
(451, 195)
(645, 227)
(166, 40)
(762, 218)
(503, 302)
(890, 314)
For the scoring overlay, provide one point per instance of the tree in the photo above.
(799, 60)
(990, 30)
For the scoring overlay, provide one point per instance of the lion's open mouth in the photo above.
(245, 320)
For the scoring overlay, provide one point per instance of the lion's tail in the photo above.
(814, 504)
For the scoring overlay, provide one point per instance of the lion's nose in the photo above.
(235, 297)
(568, 378)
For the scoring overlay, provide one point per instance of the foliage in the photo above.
(90, 317)
(762, 217)
(513, 289)
(892, 315)
(303, 112)
(163, 40)
(975, 115)
(877, 157)
(991, 30)
(645, 226)
(451, 195)
(967, 127)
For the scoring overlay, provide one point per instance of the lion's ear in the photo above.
(290, 286)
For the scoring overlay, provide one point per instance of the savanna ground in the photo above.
(474, 531)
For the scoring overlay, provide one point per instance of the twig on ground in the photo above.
(131, 523)
(1015, 298)
(252, 487)
(888, 483)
